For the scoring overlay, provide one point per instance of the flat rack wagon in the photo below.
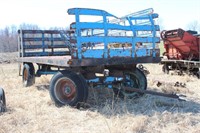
(96, 53)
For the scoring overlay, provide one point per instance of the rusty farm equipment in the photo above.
(182, 51)
(83, 56)
(2, 100)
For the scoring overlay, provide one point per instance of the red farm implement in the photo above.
(182, 51)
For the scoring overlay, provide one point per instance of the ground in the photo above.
(32, 110)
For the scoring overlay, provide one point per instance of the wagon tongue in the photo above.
(173, 95)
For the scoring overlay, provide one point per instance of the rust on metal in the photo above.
(154, 93)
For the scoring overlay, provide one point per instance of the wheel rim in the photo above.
(65, 90)
(131, 80)
(25, 77)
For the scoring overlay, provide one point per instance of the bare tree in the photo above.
(194, 25)
(8, 35)
(57, 28)
(25, 26)
(5, 39)
(160, 23)
(8, 39)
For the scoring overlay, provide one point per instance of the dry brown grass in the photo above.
(31, 109)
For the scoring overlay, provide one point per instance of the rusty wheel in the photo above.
(132, 79)
(66, 88)
(28, 75)
(2, 101)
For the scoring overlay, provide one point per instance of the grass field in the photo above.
(31, 109)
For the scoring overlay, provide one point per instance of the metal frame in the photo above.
(183, 63)
(81, 48)
(88, 49)
(106, 38)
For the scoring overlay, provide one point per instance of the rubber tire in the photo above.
(197, 73)
(165, 68)
(81, 88)
(2, 101)
(140, 76)
(30, 74)
(85, 86)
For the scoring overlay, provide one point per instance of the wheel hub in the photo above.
(67, 90)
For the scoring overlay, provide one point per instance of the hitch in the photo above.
(173, 95)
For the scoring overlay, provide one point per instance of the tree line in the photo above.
(9, 36)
